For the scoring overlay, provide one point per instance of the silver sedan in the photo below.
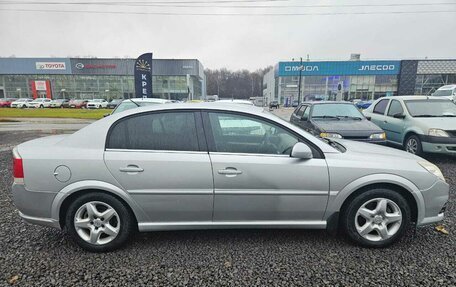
(204, 166)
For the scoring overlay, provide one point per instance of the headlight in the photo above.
(432, 168)
(438, 133)
(380, 136)
(330, 135)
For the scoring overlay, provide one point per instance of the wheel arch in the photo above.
(64, 198)
(339, 200)
(408, 133)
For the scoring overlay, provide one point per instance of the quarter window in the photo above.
(242, 134)
(395, 108)
(380, 107)
(300, 111)
(155, 131)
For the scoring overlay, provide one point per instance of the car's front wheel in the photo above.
(413, 145)
(376, 218)
(99, 222)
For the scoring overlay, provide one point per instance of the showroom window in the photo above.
(236, 133)
(155, 131)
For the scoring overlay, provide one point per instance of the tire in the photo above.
(413, 145)
(121, 222)
(24, 106)
(41, 106)
(376, 235)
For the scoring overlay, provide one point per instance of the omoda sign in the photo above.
(301, 68)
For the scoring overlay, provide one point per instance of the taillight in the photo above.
(18, 168)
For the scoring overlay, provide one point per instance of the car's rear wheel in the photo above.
(413, 145)
(376, 218)
(99, 222)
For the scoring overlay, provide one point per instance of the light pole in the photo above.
(299, 84)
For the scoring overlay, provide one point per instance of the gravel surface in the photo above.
(39, 256)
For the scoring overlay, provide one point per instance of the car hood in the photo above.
(346, 125)
(447, 124)
(366, 149)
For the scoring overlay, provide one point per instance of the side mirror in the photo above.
(399, 116)
(368, 118)
(302, 151)
(304, 118)
(105, 115)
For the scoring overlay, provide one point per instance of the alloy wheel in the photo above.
(412, 146)
(97, 222)
(378, 219)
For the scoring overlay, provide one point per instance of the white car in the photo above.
(448, 92)
(20, 103)
(97, 104)
(138, 102)
(242, 102)
(39, 103)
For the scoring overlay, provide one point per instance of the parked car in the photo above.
(138, 102)
(274, 105)
(21, 103)
(97, 104)
(295, 103)
(39, 103)
(113, 103)
(235, 101)
(336, 120)
(362, 105)
(419, 124)
(60, 103)
(153, 168)
(78, 104)
(448, 92)
(6, 102)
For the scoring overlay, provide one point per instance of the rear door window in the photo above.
(380, 107)
(174, 131)
(395, 108)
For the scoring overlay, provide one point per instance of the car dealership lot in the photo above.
(43, 256)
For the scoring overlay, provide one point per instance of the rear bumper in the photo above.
(34, 206)
(435, 198)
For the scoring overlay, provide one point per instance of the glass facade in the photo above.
(428, 84)
(100, 86)
(364, 87)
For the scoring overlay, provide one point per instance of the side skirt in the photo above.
(156, 226)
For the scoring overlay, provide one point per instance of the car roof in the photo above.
(414, 98)
(447, 87)
(235, 101)
(148, 100)
(326, 102)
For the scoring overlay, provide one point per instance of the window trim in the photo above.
(202, 144)
(389, 107)
(386, 107)
(317, 153)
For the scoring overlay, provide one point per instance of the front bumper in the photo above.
(445, 145)
(435, 198)
(34, 206)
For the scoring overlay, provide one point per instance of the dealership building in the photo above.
(356, 79)
(89, 78)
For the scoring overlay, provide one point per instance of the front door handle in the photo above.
(131, 168)
(229, 171)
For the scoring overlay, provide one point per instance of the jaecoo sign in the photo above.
(50, 65)
(377, 68)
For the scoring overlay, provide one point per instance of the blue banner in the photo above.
(143, 76)
(336, 68)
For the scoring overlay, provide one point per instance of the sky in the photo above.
(255, 39)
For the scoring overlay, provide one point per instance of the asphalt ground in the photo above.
(39, 256)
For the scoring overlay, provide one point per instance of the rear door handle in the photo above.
(229, 171)
(131, 168)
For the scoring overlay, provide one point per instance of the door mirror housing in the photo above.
(368, 118)
(302, 151)
(399, 116)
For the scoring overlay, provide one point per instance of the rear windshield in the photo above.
(431, 108)
(443, 93)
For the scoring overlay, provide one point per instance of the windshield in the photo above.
(443, 93)
(336, 111)
(431, 108)
(127, 105)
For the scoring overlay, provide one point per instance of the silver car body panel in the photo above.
(185, 191)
